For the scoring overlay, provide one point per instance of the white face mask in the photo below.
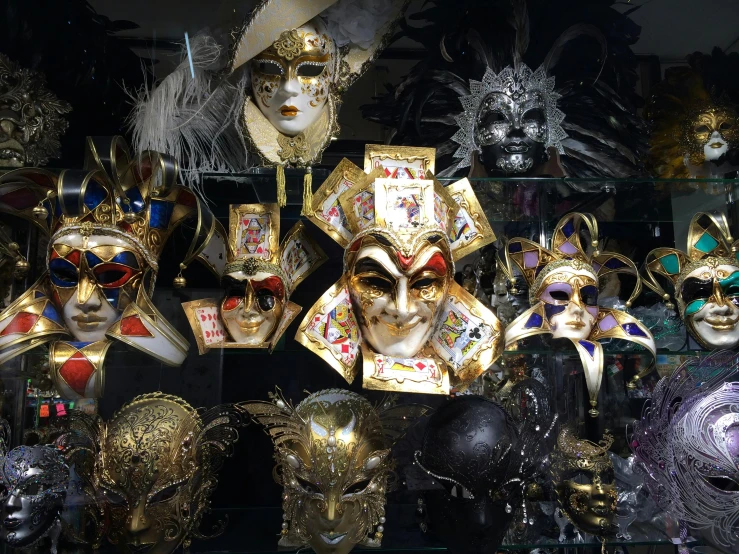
(570, 299)
(715, 147)
(711, 296)
(291, 79)
(253, 306)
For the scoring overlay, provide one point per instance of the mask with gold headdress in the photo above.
(108, 225)
(397, 300)
(334, 464)
(257, 281)
(563, 291)
(705, 281)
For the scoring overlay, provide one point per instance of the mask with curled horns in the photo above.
(397, 301)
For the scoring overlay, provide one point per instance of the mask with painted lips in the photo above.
(710, 134)
(571, 303)
(711, 300)
(253, 306)
(398, 299)
(93, 279)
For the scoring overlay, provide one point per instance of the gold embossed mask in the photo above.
(709, 132)
(291, 79)
(584, 478)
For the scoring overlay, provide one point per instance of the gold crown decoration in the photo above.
(397, 206)
(135, 204)
(570, 259)
(252, 247)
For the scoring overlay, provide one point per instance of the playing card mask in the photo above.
(584, 477)
(333, 462)
(687, 443)
(108, 225)
(30, 117)
(257, 281)
(563, 291)
(157, 465)
(705, 278)
(397, 300)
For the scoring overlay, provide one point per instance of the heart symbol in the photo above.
(207, 334)
(202, 317)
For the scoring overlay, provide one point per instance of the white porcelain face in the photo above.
(93, 279)
(715, 147)
(253, 306)
(570, 299)
(291, 79)
(399, 301)
(711, 297)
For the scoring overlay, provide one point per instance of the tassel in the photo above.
(308, 193)
(281, 191)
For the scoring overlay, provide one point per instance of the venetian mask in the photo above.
(30, 117)
(563, 291)
(710, 133)
(397, 300)
(291, 79)
(705, 280)
(257, 281)
(35, 480)
(108, 225)
(157, 468)
(333, 462)
(510, 120)
(585, 481)
(687, 444)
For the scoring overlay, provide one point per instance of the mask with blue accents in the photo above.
(705, 278)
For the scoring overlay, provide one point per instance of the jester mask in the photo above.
(687, 444)
(107, 224)
(157, 462)
(257, 281)
(563, 291)
(333, 461)
(705, 279)
(397, 301)
(584, 477)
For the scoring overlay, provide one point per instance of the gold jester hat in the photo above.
(397, 301)
(563, 292)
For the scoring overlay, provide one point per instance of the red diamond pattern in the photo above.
(76, 371)
(21, 323)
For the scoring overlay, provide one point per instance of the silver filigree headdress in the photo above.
(514, 82)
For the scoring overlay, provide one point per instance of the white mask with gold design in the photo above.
(570, 297)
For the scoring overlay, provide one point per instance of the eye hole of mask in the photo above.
(557, 293)
(310, 70)
(423, 282)
(723, 483)
(535, 114)
(167, 493)
(493, 117)
(581, 478)
(458, 491)
(702, 129)
(694, 289)
(269, 68)
(33, 489)
(231, 303)
(358, 487)
(589, 295)
(113, 275)
(265, 300)
(725, 126)
(307, 486)
(114, 498)
(63, 273)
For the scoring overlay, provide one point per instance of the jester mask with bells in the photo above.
(705, 279)
(257, 282)
(108, 225)
(157, 463)
(397, 301)
(563, 291)
(584, 477)
(332, 454)
(687, 444)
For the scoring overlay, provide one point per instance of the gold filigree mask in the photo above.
(709, 132)
(585, 482)
(292, 78)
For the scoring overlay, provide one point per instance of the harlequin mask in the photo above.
(510, 119)
(157, 468)
(585, 481)
(705, 280)
(397, 299)
(687, 443)
(30, 117)
(257, 281)
(333, 462)
(108, 225)
(563, 291)
(35, 480)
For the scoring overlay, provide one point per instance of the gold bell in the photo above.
(631, 385)
(21, 269)
(592, 412)
(130, 217)
(179, 282)
(39, 212)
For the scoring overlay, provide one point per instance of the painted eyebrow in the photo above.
(368, 264)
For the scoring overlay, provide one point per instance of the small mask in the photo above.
(257, 280)
(334, 467)
(710, 133)
(563, 291)
(705, 280)
(30, 117)
(510, 120)
(35, 480)
(157, 470)
(292, 78)
(584, 477)
(397, 301)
